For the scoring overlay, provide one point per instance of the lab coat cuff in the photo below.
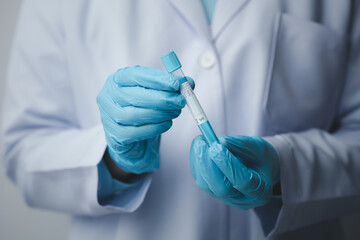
(108, 187)
(116, 196)
(281, 146)
(272, 214)
(128, 197)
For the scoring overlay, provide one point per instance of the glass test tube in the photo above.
(173, 66)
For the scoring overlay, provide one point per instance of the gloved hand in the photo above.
(241, 171)
(107, 185)
(137, 104)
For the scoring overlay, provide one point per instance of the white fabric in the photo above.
(64, 51)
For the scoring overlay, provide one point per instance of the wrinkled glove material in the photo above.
(241, 171)
(137, 104)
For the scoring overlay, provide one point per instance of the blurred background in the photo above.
(17, 221)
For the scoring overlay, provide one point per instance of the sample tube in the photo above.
(173, 66)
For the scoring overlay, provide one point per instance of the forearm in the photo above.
(319, 171)
(64, 178)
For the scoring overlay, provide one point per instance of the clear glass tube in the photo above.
(195, 108)
(191, 99)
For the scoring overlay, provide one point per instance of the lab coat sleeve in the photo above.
(47, 153)
(320, 170)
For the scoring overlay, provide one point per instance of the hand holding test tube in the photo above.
(219, 168)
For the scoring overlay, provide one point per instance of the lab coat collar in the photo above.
(193, 12)
(225, 11)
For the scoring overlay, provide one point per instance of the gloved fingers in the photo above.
(215, 179)
(239, 200)
(211, 180)
(245, 201)
(145, 77)
(134, 116)
(131, 133)
(138, 157)
(136, 150)
(263, 189)
(237, 173)
(259, 156)
(137, 166)
(146, 98)
(124, 135)
(201, 183)
(205, 169)
(239, 146)
(142, 116)
(244, 205)
(196, 155)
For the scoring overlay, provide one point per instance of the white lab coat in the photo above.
(276, 68)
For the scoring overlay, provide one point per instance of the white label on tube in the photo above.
(193, 103)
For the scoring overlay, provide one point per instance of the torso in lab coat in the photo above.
(249, 48)
(229, 87)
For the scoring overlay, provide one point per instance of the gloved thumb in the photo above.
(242, 178)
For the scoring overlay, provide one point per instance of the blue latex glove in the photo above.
(241, 171)
(137, 104)
(108, 186)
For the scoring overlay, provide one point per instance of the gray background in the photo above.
(17, 221)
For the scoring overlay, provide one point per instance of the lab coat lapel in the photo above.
(225, 11)
(193, 12)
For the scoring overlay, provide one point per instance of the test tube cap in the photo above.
(171, 62)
